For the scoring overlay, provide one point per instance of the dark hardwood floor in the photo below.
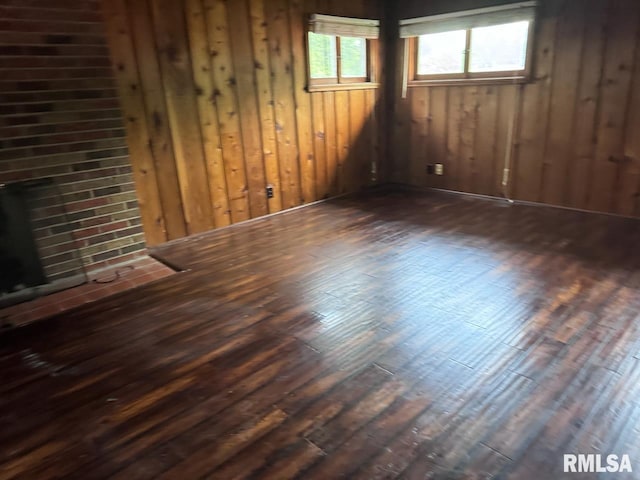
(386, 335)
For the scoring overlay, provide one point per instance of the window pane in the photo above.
(322, 56)
(441, 52)
(499, 47)
(353, 52)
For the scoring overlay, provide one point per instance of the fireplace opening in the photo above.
(38, 254)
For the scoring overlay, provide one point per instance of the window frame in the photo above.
(467, 77)
(340, 82)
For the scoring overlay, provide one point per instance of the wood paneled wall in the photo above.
(576, 124)
(215, 105)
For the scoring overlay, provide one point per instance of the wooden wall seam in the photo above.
(627, 186)
(629, 196)
(160, 141)
(144, 171)
(265, 101)
(302, 100)
(207, 115)
(176, 76)
(226, 106)
(282, 86)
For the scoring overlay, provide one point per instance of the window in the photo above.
(483, 44)
(440, 53)
(499, 48)
(340, 52)
(337, 59)
(323, 56)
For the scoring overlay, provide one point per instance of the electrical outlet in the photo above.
(431, 169)
(269, 191)
(439, 168)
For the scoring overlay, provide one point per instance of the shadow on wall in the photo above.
(216, 109)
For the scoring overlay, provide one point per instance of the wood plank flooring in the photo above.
(390, 334)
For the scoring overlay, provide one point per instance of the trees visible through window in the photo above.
(341, 52)
(353, 57)
(334, 59)
(323, 56)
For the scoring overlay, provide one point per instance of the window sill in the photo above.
(342, 86)
(468, 81)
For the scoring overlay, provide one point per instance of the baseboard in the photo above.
(386, 186)
(492, 198)
(195, 236)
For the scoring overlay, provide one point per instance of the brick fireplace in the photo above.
(60, 120)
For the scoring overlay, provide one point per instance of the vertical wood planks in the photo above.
(485, 157)
(357, 161)
(628, 189)
(302, 101)
(178, 85)
(343, 147)
(144, 171)
(201, 64)
(330, 131)
(227, 108)
(468, 122)
(566, 75)
(244, 62)
(157, 119)
(454, 110)
(438, 133)
(505, 135)
(217, 109)
(320, 145)
(572, 143)
(265, 101)
(284, 102)
(615, 91)
(586, 109)
(419, 148)
(373, 102)
(528, 167)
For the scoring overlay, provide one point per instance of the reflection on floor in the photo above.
(390, 334)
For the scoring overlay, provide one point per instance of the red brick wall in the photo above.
(60, 118)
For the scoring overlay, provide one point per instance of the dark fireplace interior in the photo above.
(25, 259)
(19, 257)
